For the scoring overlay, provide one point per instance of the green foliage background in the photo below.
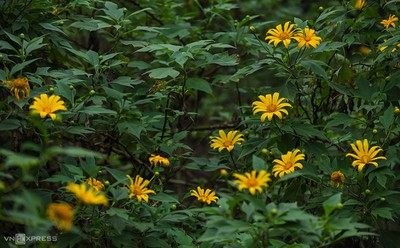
(159, 77)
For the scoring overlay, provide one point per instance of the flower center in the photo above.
(19, 83)
(365, 158)
(137, 190)
(62, 214)
(227, 143)
(271, 108)
(307, 38)
(47, 110)
(288, 165)
(252, 182)
(283, 36)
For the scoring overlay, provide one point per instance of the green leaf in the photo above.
(51, 27)
(387, 118)
(96, 109)
(385, 212)
(259, 164)
(119, 175)
(316, 66)
(9, 124)
(199, 84)
(112, 11)
(18, 67)
(331, 203)
(34, 45)
(160, 73)
(120, 212)
(165, 197)
(126, 81)
(74, 152)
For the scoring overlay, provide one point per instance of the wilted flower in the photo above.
(284, 35)
(252, 182)
(46, 106)
(337, 179)
(270, 105)
(308, 38)
(157, 159)
(138, 188)
(288, 163)
(204, 196)
(87, 195)
(360, 4)
(389, 22)
(62, 214)
(364, 155)
(226, 141)
(96, 184)
(17, 86)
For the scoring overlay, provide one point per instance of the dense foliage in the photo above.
(199, 123)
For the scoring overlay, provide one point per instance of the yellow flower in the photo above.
(288, 163)
(96, 184)
(383, 48)
(364, 50)
(19, 85)
(364, 155)
(389, 22)
(88, 196)
(55, 11)
(285, 35)
(252, 182)
(308, 38)
(207, 196)
(337, 179)
(62, 214)
(139, 189)
(360, 4)
(223, 173)
(155, 160)
(271, 105)
(48, 105)
(226, 141)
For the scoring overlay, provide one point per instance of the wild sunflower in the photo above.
(87, 195)
(138, 188)
(308, 38)
(271, 105)
(204, 196)
(337, 179)
(389, 22)
(62, 214)
(364, 155)
(96, 184)
(226, 141)
(46, 106)
(17, 86)
(284, 35)
(251, 181)
(383, 48)
(288, 163)
(157, 159)
(360, 4)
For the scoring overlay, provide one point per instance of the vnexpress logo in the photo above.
(20, 238)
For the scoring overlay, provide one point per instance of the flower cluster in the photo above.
(289, 32)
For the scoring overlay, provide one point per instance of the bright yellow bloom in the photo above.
(19, 85)
(48, 105)
(226, 141)
(62, 214)
(139, 189)
(389, 22)
(89, 196)
(271, 105)
(364, 155)
(284, 35)
(308, 38)
(337, 179)
(288, 163)
(96, 184)
(155, 160)
(360, 4)
(207, 196)
(252, 182)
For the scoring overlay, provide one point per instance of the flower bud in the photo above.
(396, 110)
(51, 90)
(339, 205)
(107, 183)
(375, 131)
(223, 173)
(92, 92)
(173, 207)
(252, 29)
(274, 211)
(22, 35)
(367, 191)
